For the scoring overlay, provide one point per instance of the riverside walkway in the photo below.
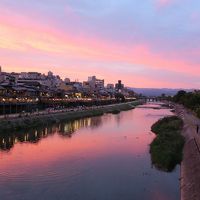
(31, 120)
(190, 166)
(57, 111)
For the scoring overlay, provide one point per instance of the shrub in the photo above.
(166, 148)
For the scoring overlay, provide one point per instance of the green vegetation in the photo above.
(166, 148)
(45, 120)
(190, 100)
(123, 107)
(115, 112)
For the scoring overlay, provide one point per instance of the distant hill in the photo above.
(158, 91)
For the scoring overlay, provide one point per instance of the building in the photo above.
(87, 90)
(66, 87)
(78, 86)
(7, 78)
(119, 86)
(110, 88)
(50, 85)
(96, 84)
(67, 80)
(50, 81)
(30, 75)
(50, 74)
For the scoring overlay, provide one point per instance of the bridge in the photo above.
(152, 98)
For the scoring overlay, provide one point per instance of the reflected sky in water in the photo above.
(102, 158)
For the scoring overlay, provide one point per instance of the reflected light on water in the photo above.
(93, 158)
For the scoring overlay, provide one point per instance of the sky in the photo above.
(149, 43)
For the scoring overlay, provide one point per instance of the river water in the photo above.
(100, 158)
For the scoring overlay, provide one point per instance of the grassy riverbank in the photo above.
(27, 122)
(166, 149)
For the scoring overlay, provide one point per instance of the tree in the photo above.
(179, 97)
(119, 97)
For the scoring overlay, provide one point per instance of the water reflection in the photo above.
(107, 158)
(67, 129)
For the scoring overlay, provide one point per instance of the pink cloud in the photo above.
(31, 38)
(163, 3)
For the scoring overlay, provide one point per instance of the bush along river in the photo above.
(103, 158)
(167, 148)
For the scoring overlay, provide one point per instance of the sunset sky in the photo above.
(146, 43)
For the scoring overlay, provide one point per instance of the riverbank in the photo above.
(190, 170)
(45, 119)
(166, 149)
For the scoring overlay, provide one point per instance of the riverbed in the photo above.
(99, 158)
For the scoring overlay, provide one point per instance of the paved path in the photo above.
(190, 166)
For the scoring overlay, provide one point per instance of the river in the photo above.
(100, 158)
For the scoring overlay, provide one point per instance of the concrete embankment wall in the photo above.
(190, 167)
(46, 119)
(190, 172)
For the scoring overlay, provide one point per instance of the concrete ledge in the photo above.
(190, 172)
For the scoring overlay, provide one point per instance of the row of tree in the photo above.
(190, 100)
